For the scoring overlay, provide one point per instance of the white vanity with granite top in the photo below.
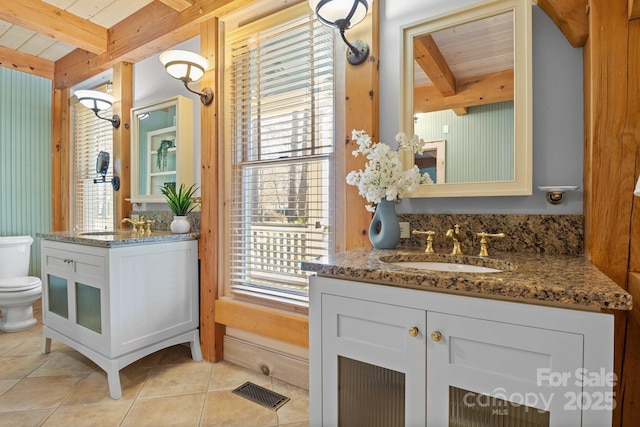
(117, 296)
(530, 344)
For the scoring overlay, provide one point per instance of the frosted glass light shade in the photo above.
(94, 100)
(184, 65)
(335, 12)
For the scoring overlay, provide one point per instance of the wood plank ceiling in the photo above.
(465, 65)
(36, 28)
(71, 40)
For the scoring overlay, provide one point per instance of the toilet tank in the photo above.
(15, 252)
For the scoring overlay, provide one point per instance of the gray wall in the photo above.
(151, 84)
(557, 112)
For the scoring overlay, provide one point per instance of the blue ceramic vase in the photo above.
(384, 231)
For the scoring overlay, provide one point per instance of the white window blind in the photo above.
(281, 108)
(93, 203)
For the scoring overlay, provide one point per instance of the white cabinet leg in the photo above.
(196, 352)
(46, 346)
(113, 377)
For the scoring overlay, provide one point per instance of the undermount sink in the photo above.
(445, 266)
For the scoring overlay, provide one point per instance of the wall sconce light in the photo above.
(344, 14)
(98, 101)
(187, 67)
(555, 195)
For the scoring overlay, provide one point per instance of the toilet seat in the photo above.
(19, 284)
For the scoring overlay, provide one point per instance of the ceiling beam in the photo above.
(178, 5)
(487, 89)
(430, 59)
(26, 63)
(570, 16)
(152, 29)
(41, 17)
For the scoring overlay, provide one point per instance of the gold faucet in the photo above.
(429, 234)
(137, 226)
(484, 243)
(148, 223)
(457, 238)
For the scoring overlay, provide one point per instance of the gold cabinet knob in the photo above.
(413, 331)
(436, 336)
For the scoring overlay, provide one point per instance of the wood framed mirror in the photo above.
(466, 78)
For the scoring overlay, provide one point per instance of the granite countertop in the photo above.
(110, 239)
(570, 281)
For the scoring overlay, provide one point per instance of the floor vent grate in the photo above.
(260, 395)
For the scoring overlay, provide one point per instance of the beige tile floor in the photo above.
(167, 388)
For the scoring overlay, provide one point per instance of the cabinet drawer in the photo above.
(85, 265)
(373, 330)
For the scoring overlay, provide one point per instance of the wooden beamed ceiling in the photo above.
(492, 80)
(164, 23)
(447, 92)
(152, 29)
(480, 90)
(41, 17)
(571, 17)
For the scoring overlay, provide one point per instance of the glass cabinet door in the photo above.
(58, 302)
(161, 148)
(484, 373)
(373, 355)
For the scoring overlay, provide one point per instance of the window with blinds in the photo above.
(281, 111)
(93, 208)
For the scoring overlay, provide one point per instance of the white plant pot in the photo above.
(180, 225)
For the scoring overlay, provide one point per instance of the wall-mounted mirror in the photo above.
(102, 163)
(161, 148)
(102, 167)
(467, 85)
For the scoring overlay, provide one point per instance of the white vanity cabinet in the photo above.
(116, 305)
(389, 356)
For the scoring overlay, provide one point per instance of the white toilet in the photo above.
(18, 291)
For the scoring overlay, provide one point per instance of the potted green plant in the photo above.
(181, 203)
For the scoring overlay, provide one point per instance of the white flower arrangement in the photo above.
(383, 176)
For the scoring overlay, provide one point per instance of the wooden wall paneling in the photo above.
(634, 9)
(629, 395)
(609, 160)
(211, 333)
(284, 326)
(56, 159)
(123, 92)
(632, 136)
(60, 167)
(362, 113)
(612, 161)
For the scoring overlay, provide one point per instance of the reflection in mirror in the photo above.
(432, 160)
(157, 148)
(161, 148)
(467, 80)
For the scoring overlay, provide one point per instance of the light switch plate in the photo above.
(405, 230)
